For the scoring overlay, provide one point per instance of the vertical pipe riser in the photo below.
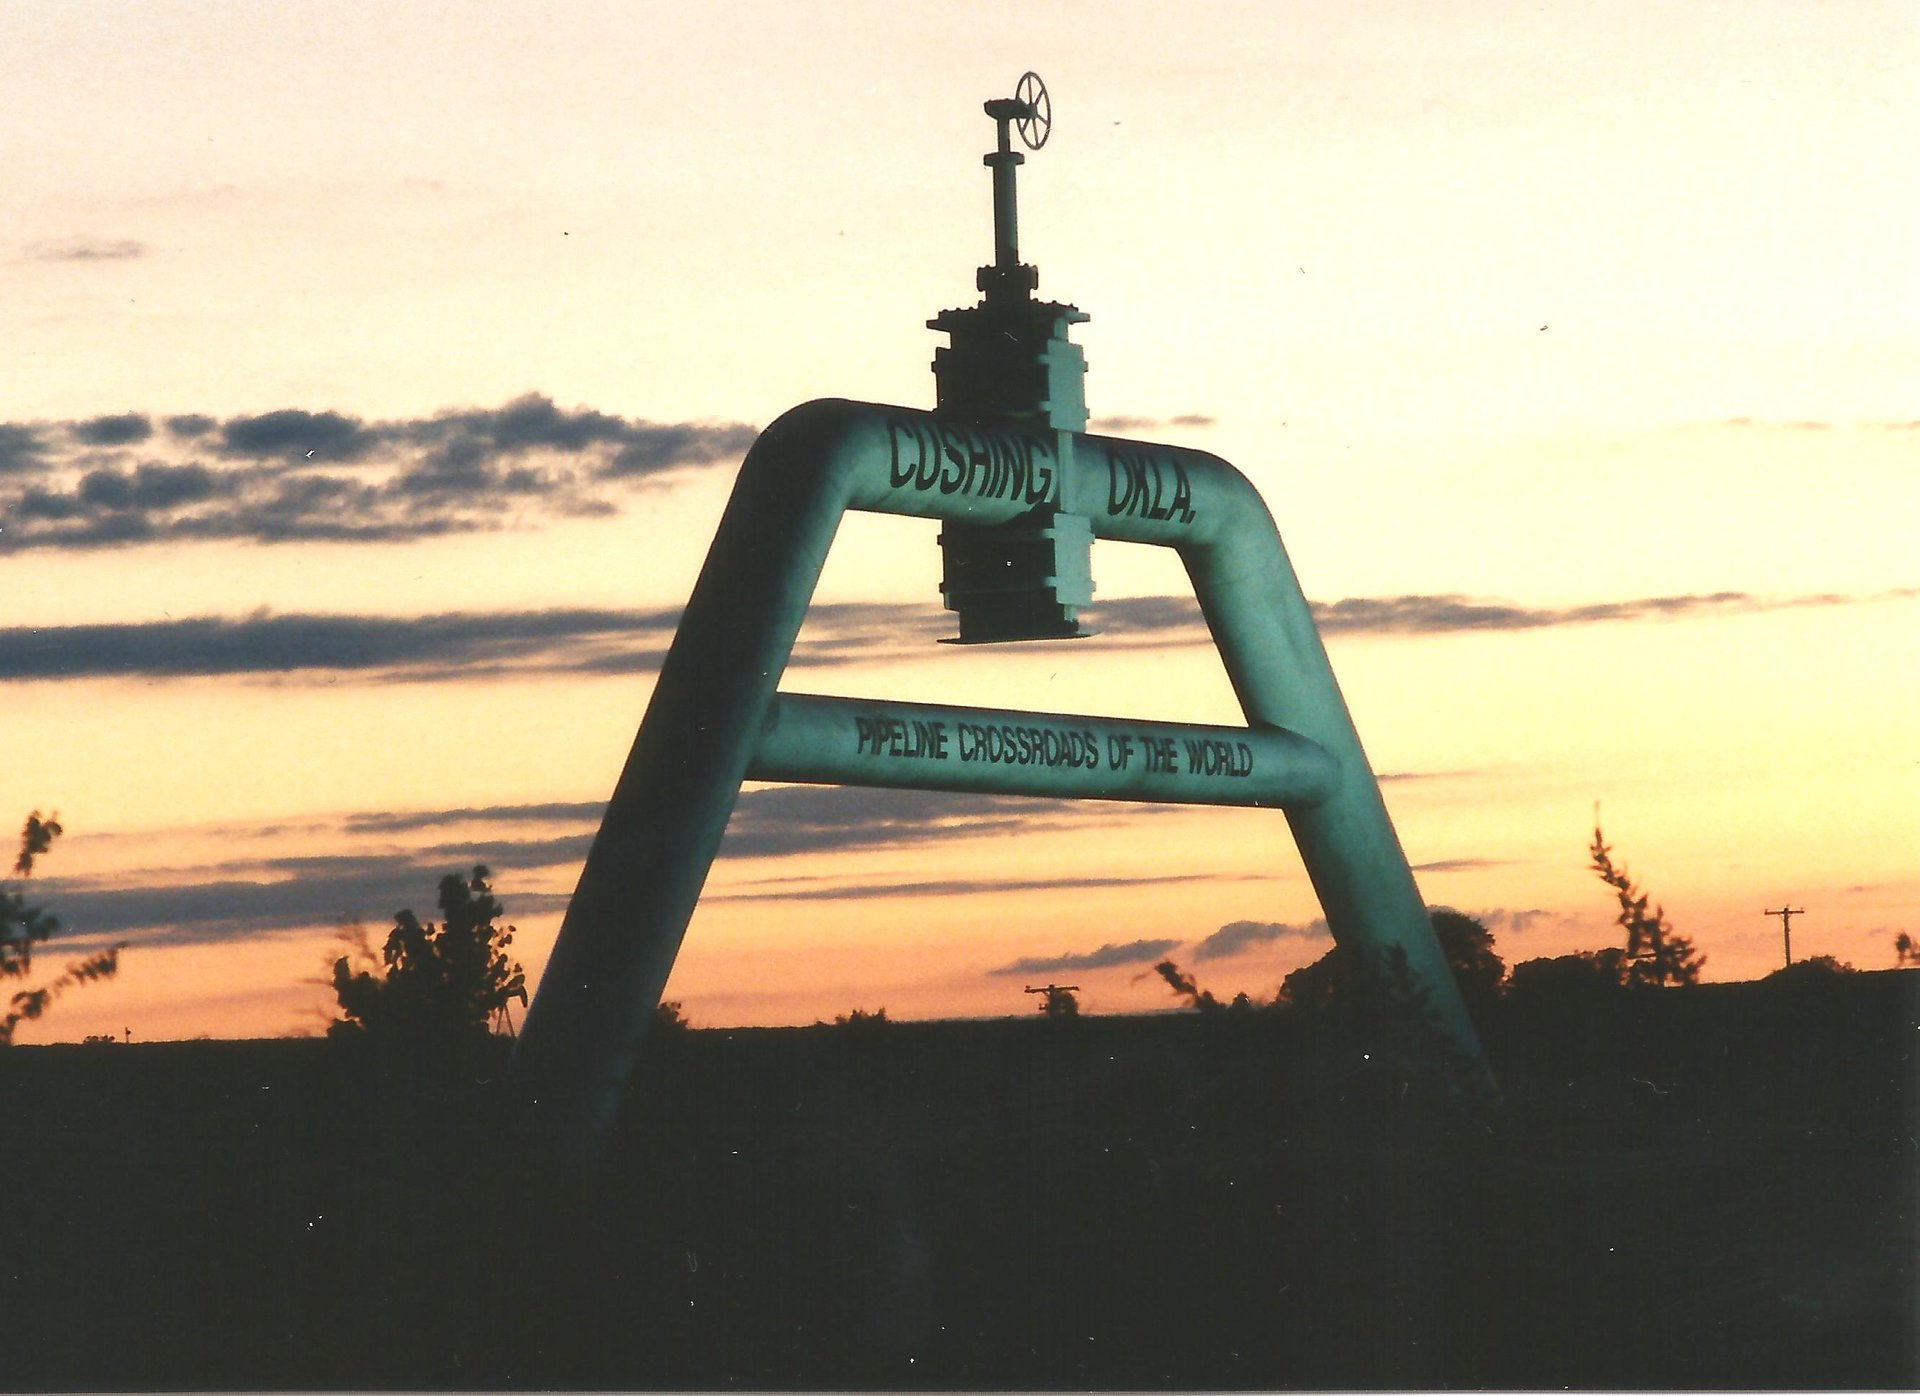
(669, 810)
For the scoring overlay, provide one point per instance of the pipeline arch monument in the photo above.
(1005, 463)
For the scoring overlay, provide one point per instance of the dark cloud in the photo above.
(1238, 936)
(625, 448)
(148, 487)
(1176, 620)
(22, 449)
(121, 430)
(416, 647)
(1410, 615)
(419, 649)
(652, 448)
(324, 892)
(772, 821)
(1502, 920)
(1134, 952)
(1448, 865)
(414, 820)
(468, 645)
(950, 887)
(247, 897)
(259, 896)
(779, 820)
(86, 249)
(459, 645)
(296, 435)
(1154, 619)
(1121, 424)
(296, 475)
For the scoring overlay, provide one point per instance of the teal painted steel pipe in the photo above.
(710, 705)
(928, 746)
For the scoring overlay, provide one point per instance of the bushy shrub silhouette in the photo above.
(23, 926)
(1337, 978)
(1819, 967)
(436, 987)
(1577, 978)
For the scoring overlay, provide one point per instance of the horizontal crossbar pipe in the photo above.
(925, 746)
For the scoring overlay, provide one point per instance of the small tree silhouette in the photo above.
(1477, 968)
(442, 985)
(1906, 954)
(1187, 987)
(23, 926)
(1815, 969)
(1656, 957)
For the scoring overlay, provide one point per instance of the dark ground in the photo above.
(1708, 1188)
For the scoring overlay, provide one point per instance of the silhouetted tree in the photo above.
(1466, 942)
(1817, 968)
(23, 926)
(1186, 987)
(667, 1015)
(1331, 979)
(1468, 945)
(1906, 954)
(1581, 975)
(439, 986)
(860, 1018)
(1655, 955)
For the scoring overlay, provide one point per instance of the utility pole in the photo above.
(1786, 915)
(1059, 1001)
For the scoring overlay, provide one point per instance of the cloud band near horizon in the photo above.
(589, 641)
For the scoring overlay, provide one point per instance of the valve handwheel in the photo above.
(1034, 127)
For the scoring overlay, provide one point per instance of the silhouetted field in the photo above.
(1697, 1189)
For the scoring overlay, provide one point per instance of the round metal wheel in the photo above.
(1035, 126)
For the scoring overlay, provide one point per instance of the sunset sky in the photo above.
(372, 377)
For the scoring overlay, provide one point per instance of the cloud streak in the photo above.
(85, 249)
(472, 645)
(293, 475)
(250, 897)
(955, 887)
(1238, 937)
(425, 649)
(1177, 620)
(1123, 425)
(1109, 956)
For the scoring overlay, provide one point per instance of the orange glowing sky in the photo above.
(1575, 349)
